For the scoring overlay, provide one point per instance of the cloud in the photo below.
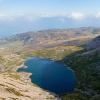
(6, 17)
(14, 17)
(98, 15)
(77, 15)
(2, 16)
(32, 17)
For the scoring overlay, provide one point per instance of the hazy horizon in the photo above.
(18, 16)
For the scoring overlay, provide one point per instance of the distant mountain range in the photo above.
(23, 25)
(54, 36)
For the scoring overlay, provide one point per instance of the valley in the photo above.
(78, 48)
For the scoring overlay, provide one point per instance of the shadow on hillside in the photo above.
(86, 70)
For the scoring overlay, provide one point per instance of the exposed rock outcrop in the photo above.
(12, 87)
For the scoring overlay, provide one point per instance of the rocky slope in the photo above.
(14, 87)
(18, 86)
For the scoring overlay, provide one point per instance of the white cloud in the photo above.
(34, 17)
(77, 15)
(97, 15)
(14, 17)
(2, 16)
(6, 17)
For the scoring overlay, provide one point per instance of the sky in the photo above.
(17, 16)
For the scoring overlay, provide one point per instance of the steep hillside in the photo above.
(86, 64)
(93, 44)
(14, 87)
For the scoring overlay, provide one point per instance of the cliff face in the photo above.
(13, 87)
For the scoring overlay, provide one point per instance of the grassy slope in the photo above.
(56, 53)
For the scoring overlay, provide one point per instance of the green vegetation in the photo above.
(56, 53)
(75, 96)
(87, 68)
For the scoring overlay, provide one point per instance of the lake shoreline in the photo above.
(38, 59)
(28, 76)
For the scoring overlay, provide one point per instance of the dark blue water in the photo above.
(50, 75)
